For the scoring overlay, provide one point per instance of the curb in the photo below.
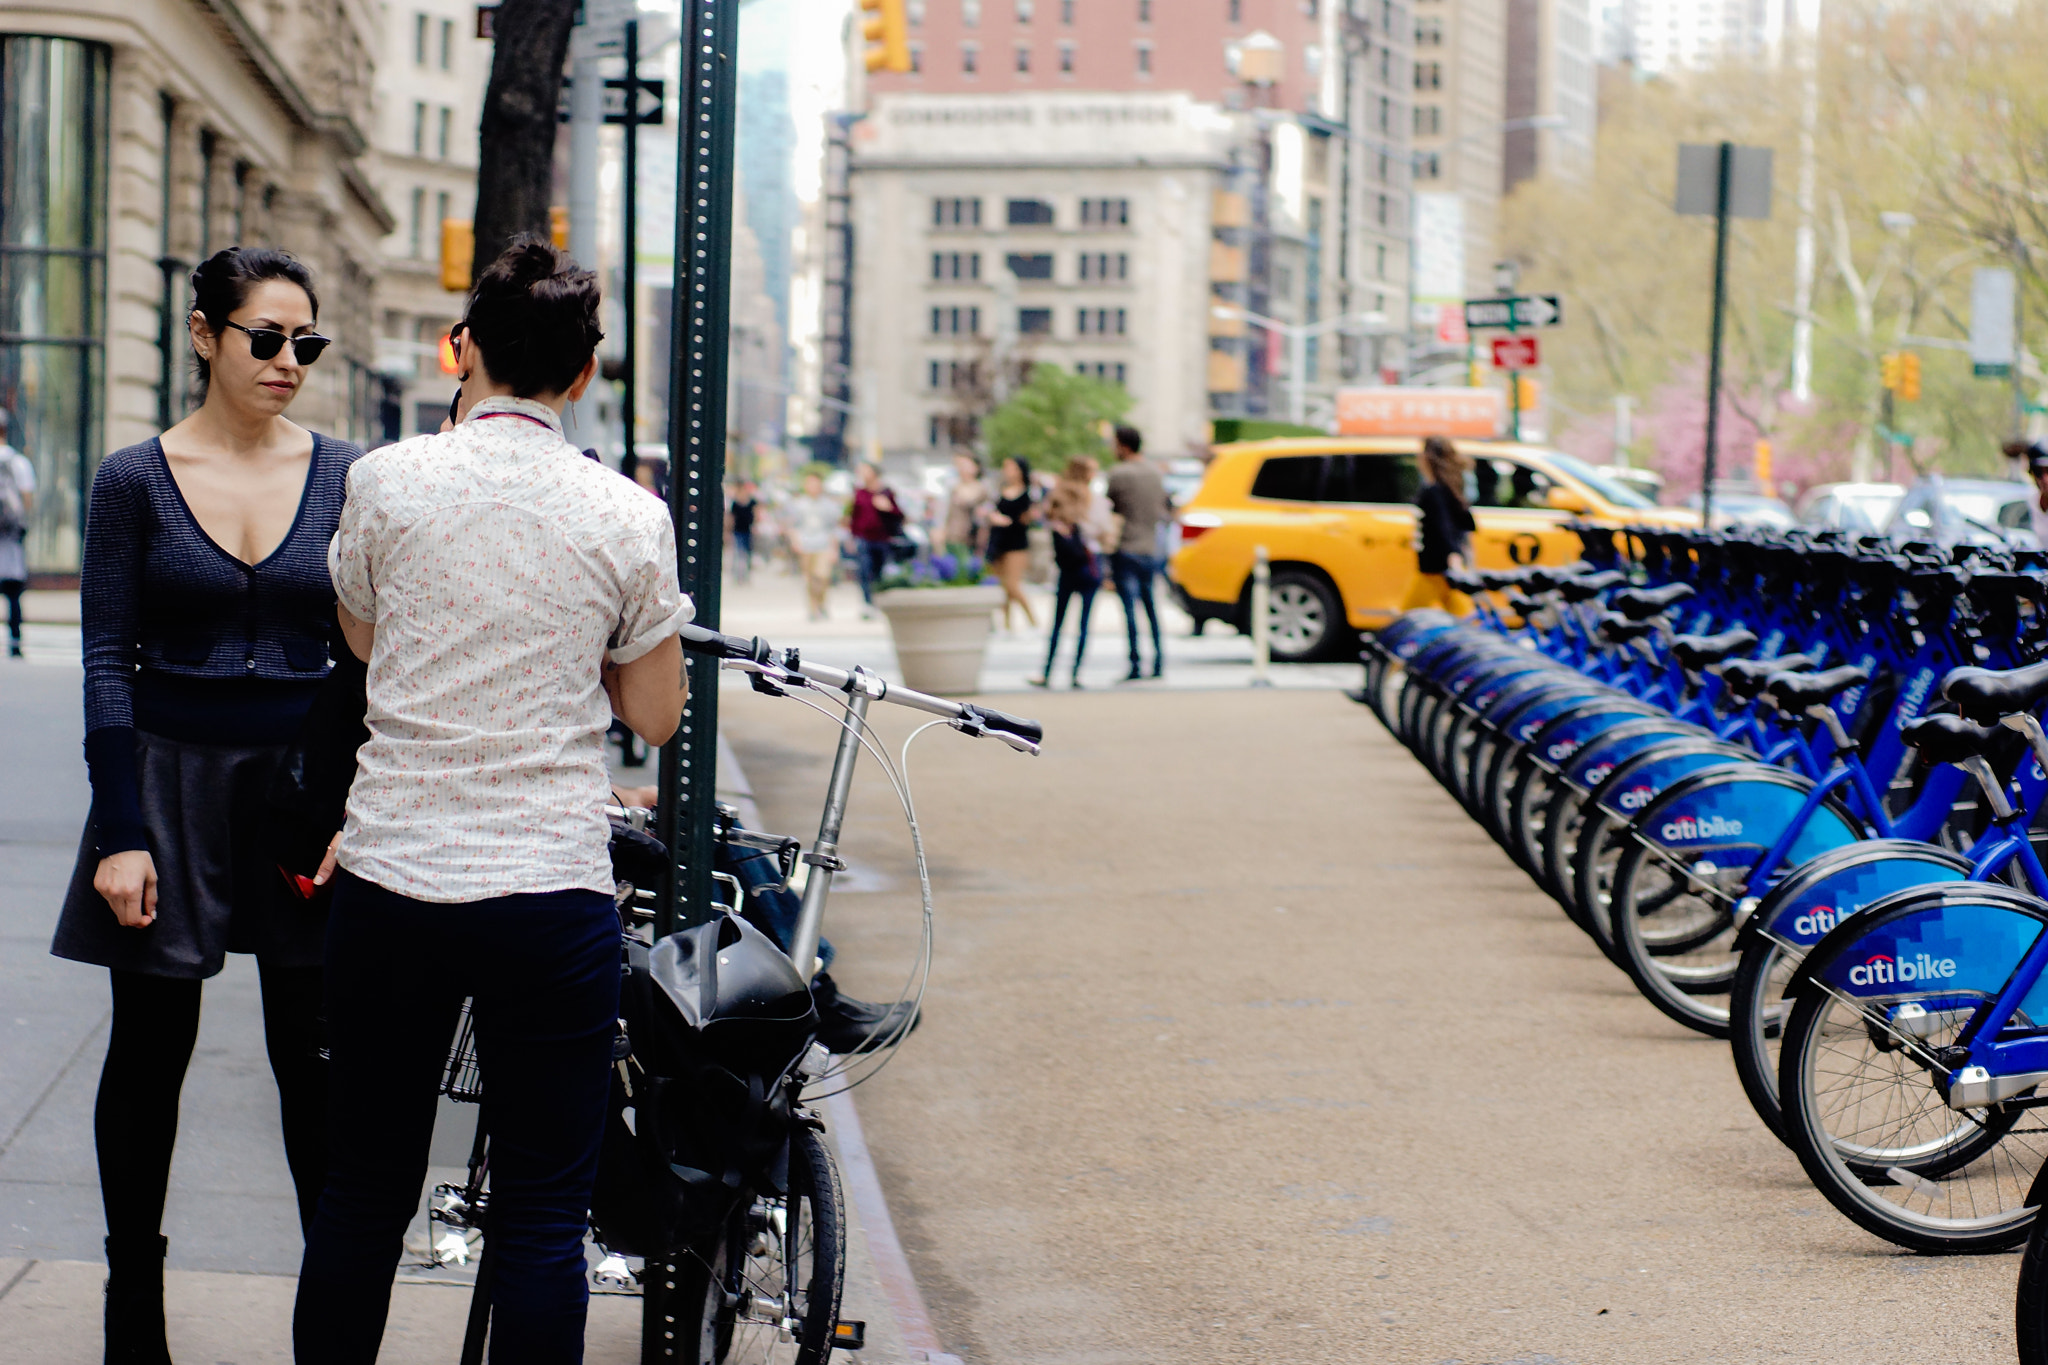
(893, 1275)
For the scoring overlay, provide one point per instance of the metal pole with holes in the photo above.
(696, 441)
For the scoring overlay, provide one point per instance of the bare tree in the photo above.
(515, 168)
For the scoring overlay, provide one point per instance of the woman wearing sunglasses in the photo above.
(208, 615)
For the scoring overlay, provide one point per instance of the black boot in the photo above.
(846, 1025)
(135, 1301)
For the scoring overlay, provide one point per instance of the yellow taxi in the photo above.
(1337, 517)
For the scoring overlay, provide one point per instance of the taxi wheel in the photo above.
(1304, 616)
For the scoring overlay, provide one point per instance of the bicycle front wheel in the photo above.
(766, 1292)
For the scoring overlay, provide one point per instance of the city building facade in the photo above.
(135, 140)
(431, 73)
(1210, 209)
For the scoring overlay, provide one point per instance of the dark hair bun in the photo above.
(534, 313)
(223, 281)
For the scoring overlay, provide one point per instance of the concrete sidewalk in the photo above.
(1243, 1043)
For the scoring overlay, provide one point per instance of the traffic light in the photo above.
(558, 226)
(458, 248)
(1888, 370)
(886, 25)
(1909, 376)
(1528, 392)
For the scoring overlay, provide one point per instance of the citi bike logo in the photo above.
(1916, 695)
(1701, 827)
(1881, 970)
(1635, 798)
(1563, 749)
(1819, 921)
(1598, 774)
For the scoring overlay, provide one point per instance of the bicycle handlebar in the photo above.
(758, 656)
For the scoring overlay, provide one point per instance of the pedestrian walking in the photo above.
(17, 502)
(813, 530)
(510, 598)
(742, 510)
(1137, 494)
(1079, 518)
(207, 615)
(1009, 535)
(875, 520)
(1443, 528)
(966, 506)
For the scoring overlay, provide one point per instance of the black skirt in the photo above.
(219, 890)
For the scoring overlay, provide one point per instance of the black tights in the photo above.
(135, 1122)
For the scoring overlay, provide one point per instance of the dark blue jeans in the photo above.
(874, 557)
(1133, 575)
(1073, 583)
(544, 974)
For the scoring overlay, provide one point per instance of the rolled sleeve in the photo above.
(348, 554)
(653, 606)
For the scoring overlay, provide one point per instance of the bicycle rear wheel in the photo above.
(767, 1292)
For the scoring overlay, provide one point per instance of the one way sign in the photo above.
(1528, 310)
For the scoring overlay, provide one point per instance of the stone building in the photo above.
(136, 139)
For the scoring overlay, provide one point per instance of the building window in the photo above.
(1144, 11)
(956, 265)
(1386, 115)
(1105, 213)
(1099, 321)
(1034, 267)
(1109, 372)
(1030, 213)
(917, 59)
(913, 13)
(1429, 75)
(956, 213)
(1023, 61)
(419, 128)
(1144, 59)
(1034, 322)
(441, 133)
(1066, 59)
(970, 13)
(419, 40)
(1429, 166)
(1103, 265)
(447, 44)
(1235, 11)
(53, 276)
(1067, 12)
(970, 58)
(441, 215)
(932, 381)
(419, 218)
(1380, 260)
(1429, 120)
(1429, 32)
(1024, 8)
(1380, 212)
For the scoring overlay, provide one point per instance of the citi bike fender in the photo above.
(1763, 816)
(1974, 947)
(1595, 761)
(1636, 783)
(1808, 902)
(1564, 737)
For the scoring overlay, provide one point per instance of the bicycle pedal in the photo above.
(849, 1334)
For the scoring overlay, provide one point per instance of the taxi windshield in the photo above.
(1611, 489)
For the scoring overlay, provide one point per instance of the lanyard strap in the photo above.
(522, 416)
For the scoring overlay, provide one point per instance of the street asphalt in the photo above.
(1243, 1043)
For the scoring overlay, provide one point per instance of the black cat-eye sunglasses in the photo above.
(266, 342)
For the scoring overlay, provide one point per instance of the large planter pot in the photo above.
(941, 635)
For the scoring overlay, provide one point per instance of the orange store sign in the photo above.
(1421, 412)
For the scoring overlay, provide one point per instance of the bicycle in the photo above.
(714, 1173)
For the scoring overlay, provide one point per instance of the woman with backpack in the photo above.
(1079, 518)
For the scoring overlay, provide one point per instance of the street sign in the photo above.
(1526, 310)
(653, 104)
(1515, 353)
(1699, 180)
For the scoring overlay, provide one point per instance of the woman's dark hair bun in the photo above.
(223, 280)
(534, 312)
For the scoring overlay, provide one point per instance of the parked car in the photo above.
(1337, 518)
(1740, 503)
(1963, 512)
(1862, 507)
